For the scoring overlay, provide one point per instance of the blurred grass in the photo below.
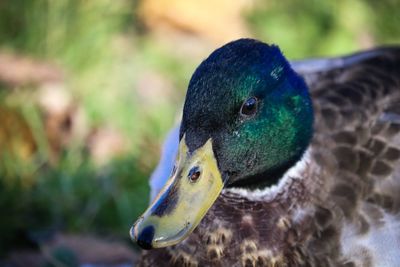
(89, 40)
(110, 59)
(322, 28)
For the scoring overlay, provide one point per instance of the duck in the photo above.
(282, 164)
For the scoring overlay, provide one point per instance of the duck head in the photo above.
(247, 118)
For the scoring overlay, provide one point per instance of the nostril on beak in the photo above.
(194, 174)
(145, 237)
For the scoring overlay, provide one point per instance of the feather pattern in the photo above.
(340, 205)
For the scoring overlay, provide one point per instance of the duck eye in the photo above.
(249, 107)
(194, 174)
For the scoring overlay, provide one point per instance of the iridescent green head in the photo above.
(255, 108)
(247, 118)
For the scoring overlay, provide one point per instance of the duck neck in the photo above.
(265, 179)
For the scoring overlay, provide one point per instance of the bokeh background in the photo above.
(89, 89)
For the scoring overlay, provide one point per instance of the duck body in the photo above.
(337, 203)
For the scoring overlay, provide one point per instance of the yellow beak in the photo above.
(193, 187)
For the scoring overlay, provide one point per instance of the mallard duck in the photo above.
(282, 168)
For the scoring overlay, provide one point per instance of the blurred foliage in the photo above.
(90, 40)
(321, 28)
(37, 198)
(126, 79)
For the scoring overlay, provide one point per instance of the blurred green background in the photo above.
(89, 89)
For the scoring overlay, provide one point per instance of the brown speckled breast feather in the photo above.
(343, 209)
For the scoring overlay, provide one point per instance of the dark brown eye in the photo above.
(194, 174)
(249, 107)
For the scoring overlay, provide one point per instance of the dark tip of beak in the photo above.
(145, 237)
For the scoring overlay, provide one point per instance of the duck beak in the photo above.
(194, 186)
